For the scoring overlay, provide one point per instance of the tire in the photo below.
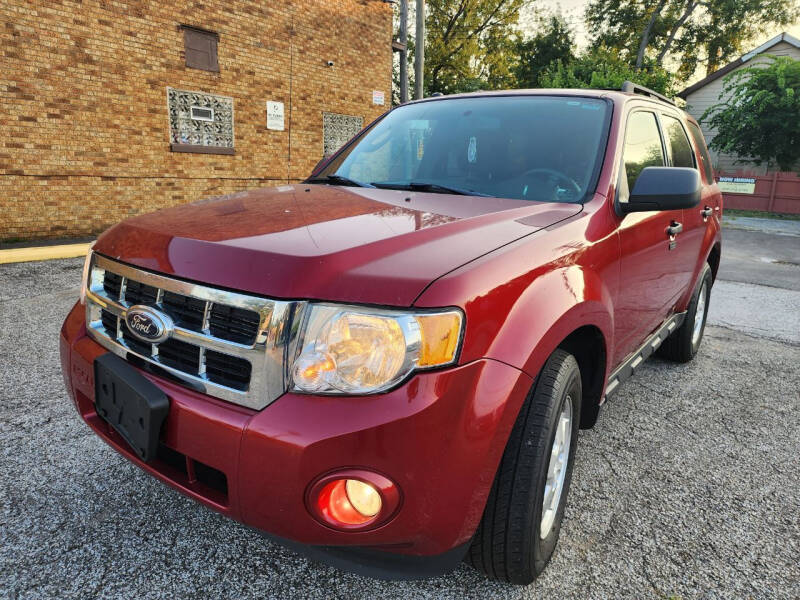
(684, 342)
(508, 545)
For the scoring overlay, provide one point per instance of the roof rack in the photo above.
(635, 88)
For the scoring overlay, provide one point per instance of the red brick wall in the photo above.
(83, 110)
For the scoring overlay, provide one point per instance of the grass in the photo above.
(735, 212)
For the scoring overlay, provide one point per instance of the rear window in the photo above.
(544, 148)
(680, 150)
(697, 136)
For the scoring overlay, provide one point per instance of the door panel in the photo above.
(651, 277)
(652, 270)
(690, 241)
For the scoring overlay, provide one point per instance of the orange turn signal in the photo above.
(440, 335)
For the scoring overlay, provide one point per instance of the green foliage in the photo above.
(760, 115)
(605, 68)
(688, 33)
(553, 43)
(469, 41)
(477, 44)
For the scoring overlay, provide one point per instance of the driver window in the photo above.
(642, 146)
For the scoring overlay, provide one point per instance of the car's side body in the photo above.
(596, 271)
(588, 279)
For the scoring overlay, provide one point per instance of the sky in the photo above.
(573, 11)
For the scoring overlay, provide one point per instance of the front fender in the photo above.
(556, 304)
(523, 300)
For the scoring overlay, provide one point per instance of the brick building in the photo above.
(111, 108)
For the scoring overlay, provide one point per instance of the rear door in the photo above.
(652, 273)
(709, 210)
(695, 220)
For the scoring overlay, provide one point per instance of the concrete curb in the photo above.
(37, 253)
(774, 226)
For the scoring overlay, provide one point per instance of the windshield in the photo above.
(543, 148)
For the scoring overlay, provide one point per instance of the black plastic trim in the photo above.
(378, 564)
(626, 370)
(130, 403)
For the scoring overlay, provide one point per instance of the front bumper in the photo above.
(439, 438)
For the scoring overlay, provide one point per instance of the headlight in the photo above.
(354, 350)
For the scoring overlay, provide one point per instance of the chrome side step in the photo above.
(626, 370)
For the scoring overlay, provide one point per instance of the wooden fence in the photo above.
(774, 192)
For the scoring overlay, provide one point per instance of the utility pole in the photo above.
(404, 51)
(419, 50)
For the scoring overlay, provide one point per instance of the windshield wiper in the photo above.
(338, 180)
(421, 186)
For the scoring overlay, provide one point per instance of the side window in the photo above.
(680, 150)
(642, 145)
(697, 136)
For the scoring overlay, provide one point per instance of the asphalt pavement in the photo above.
(688, 486)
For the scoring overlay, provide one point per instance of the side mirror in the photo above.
(664, 188)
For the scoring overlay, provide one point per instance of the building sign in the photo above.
(275, 115)
(737, 185)
(378, 98)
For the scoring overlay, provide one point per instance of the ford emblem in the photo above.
(148, 324)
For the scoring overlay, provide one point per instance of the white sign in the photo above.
(378, 98)
(737, 185)
(275, 115)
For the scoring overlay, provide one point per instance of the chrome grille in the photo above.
(225, 344)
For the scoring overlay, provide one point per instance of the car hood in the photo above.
(325, 242)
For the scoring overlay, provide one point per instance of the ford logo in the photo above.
(148, 324)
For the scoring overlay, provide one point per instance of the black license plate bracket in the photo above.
(133, 406)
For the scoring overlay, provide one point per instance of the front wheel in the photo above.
(684, 342)
(522, 519)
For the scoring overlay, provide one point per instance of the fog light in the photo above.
(364, 498)
(349, 502)
(353, 499)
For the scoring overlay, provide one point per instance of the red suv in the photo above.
(386, 366)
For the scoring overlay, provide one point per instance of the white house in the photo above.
(706, 93)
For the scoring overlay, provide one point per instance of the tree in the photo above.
(553, 43)
(468, 44)
(605, 68)
(760, 116)
(693, 32)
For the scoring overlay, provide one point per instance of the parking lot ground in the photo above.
(688, 486)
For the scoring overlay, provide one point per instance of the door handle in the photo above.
(674, 229)
(706, 212)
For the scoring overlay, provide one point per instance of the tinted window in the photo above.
(680, 150)
(697, 135)
(642, 145)
(525, 147)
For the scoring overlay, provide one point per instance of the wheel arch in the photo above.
(713, 258)
(575, 313)
(587, 344)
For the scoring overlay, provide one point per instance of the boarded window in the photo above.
(200, 48)
(337, 130)
(200, 122)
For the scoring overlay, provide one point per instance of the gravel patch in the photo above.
(687, 486)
